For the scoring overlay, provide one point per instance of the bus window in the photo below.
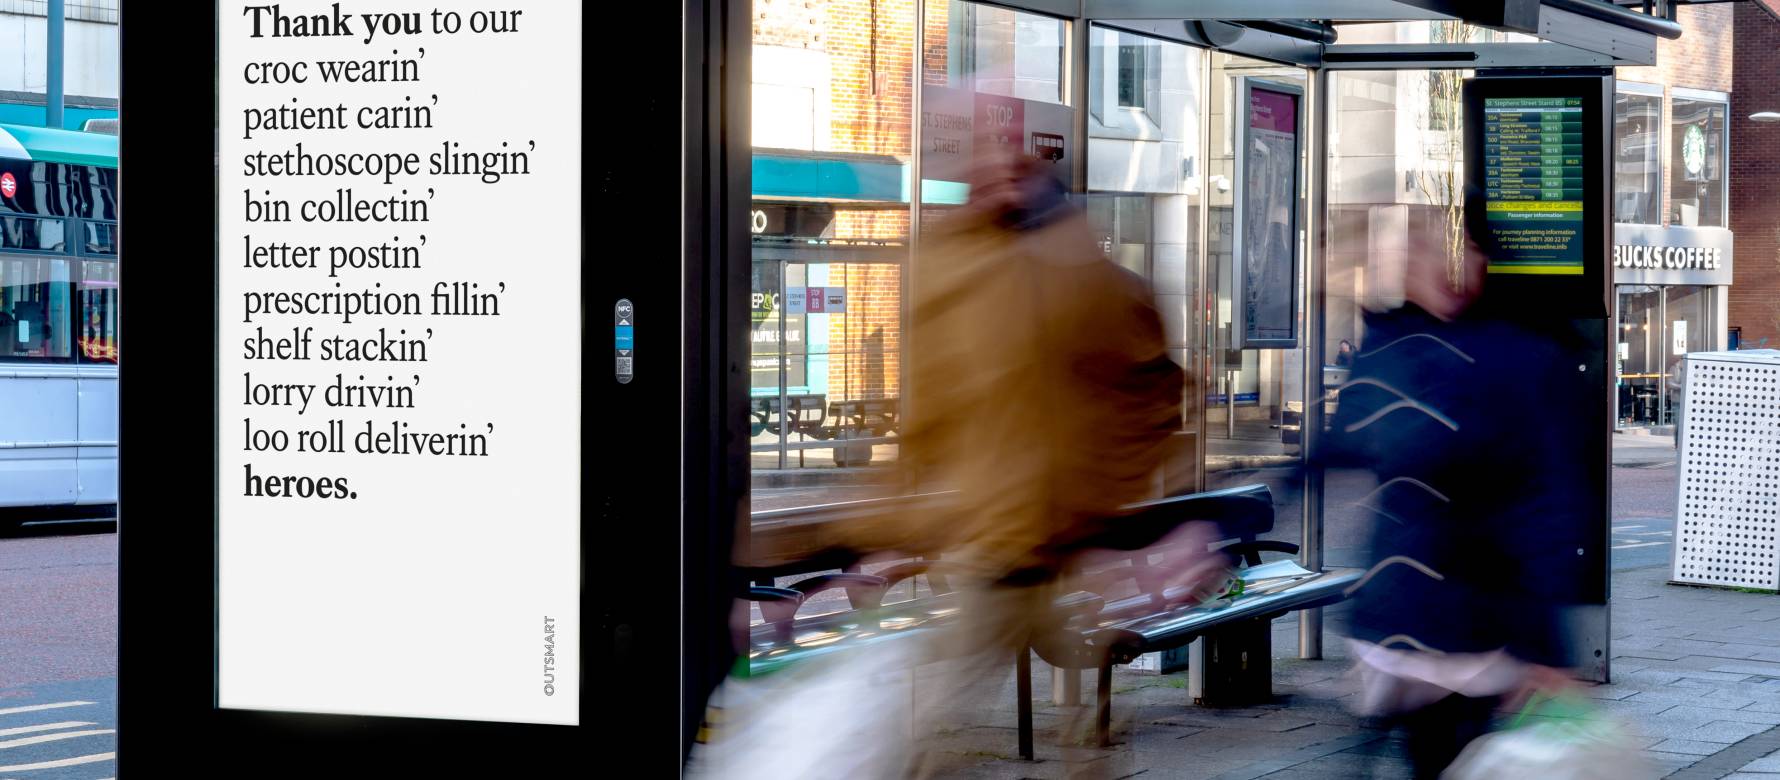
(101, 238)
(30, 233)
(34, 309)
(96, 321)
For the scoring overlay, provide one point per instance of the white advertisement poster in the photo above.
(399, 359)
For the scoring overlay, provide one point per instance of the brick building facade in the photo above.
(869, 48)
(1755, 174)
(1699, 59)
(865, 108)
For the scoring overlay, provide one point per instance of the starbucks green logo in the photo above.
(1693, 150)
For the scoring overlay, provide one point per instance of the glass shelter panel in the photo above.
(832, 98)
(1247, 390)
(1395, 186)
(1144, 199)
(1253, 398)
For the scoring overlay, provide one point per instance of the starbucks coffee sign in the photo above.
(1651, 254)
(1693, 151)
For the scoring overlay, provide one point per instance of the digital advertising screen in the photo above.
(399, 361)
(1533, 178)
(1537, 183)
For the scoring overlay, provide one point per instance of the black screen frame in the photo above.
(167, 714)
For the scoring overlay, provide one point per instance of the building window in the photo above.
(1001, 51)
(1696, 179)
(1133, 72)
(1637, 158)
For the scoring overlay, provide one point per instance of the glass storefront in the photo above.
(1658, 325)
(1696, 158)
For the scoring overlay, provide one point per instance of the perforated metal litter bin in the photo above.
(1727, 507)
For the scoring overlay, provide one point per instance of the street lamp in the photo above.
(1765, 116)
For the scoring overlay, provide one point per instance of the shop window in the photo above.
(1000, 51)
(1696, 181)
(1637, 158)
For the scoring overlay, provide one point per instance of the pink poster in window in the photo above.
(1272, 111)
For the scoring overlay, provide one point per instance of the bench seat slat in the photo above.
(1168, 631)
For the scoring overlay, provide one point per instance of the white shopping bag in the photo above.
(848, 715)
(1579, 743)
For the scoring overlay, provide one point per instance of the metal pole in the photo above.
(1310, 621)
(1202, 293)
(909, 341)
(1662, 366)
(784, 361)
(1230, 402)
(53, 88)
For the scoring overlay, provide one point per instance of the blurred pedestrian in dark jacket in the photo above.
(1449, 404)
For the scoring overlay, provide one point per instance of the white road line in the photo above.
(1652, 533)
(1623, 527)
(22, 741)
(75, 761)
(36, 707)
(44, 727)
(1640, 544)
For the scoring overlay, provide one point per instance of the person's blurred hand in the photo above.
(1541, 681)
(1198, 570)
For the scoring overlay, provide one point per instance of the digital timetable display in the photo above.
(1533, 184)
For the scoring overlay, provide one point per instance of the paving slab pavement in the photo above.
(1695, 681)
(1693, 712)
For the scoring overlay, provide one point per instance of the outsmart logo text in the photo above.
(549, 656)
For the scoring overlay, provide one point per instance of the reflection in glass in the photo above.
(1637, 158)
(1696, 181)
(1000, 51)
(101, 238)
(96, 299)
(31, 233)
(1144, 164)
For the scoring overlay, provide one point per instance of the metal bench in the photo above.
(1086, 630)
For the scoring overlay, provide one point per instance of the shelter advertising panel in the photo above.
(1267, 245)
(398, 402)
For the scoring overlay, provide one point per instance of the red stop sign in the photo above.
(8, 185)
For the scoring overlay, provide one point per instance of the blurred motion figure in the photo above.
(1462, 610)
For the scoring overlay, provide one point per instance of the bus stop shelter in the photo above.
(702, 303)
